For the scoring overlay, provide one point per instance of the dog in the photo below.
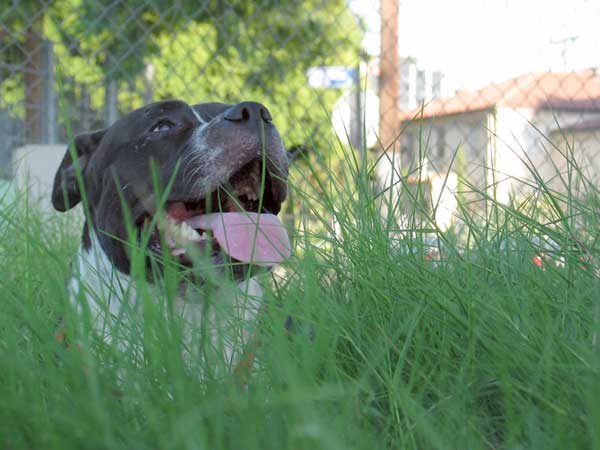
(223, 169)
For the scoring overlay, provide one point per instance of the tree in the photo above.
(207, 50)
(21, 44)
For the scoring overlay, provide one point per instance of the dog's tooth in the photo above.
(253, 193)
(249, 191)
(171, 232)
(188, 233)
(179, 232)
(170, 224)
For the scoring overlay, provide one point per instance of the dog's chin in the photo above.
(182, 231)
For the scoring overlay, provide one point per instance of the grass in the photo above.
(394, 344)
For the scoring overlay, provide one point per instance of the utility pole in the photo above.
(389, 76)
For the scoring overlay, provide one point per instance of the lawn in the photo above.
(487, 341)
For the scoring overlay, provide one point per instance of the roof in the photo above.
(556, 90)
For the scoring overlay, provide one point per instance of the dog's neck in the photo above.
(96, 279)
(107, 292)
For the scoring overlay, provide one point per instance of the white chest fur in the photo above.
(112, 298)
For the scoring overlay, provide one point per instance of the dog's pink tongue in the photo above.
(247, 237)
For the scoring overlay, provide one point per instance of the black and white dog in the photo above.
(221, 163)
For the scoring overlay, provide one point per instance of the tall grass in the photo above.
(393, 343)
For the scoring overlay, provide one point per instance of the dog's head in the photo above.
(218, 163)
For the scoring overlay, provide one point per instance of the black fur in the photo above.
(200, 155)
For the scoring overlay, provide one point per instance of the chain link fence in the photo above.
(514, 134)
(103, 58)
(309, 61)
(500, 138)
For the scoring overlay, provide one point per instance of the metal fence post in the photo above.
(5, 145)
(49, 113)
(111, 111)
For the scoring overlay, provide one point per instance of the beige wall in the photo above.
(456, 145)
(545, 152)
(437, 141)
(34, 169)
(503, 140)
(583, 146)
(496, 148)
(440, 138)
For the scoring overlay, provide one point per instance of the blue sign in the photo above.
(332, 77)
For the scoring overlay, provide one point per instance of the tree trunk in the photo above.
(33, 75)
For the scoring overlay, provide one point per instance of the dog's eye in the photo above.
(163, 125)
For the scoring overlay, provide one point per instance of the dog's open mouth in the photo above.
(228, 220)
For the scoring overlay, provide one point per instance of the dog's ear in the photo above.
(65, 192)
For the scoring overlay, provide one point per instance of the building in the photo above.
(582, 140)
(351, 116)
(418, 85)
(487, 135)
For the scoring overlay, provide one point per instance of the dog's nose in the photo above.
(247, 111)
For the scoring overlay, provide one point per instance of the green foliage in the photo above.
(201, 51)
(396, 342)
